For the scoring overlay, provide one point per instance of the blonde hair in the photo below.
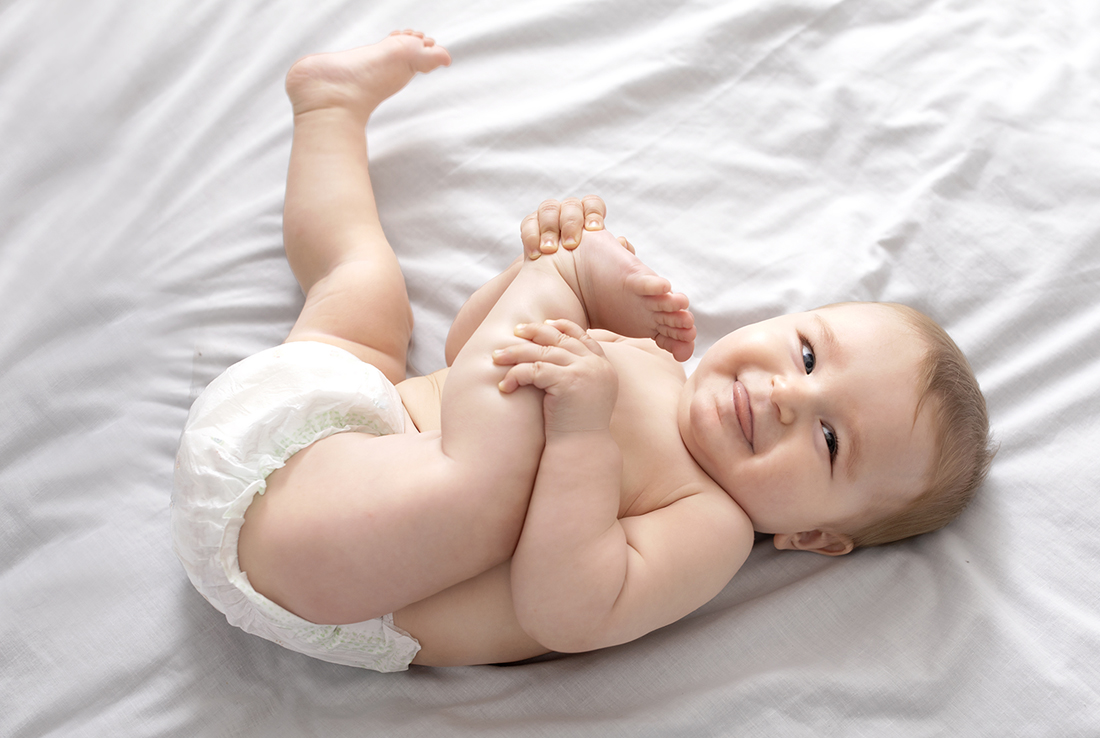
(964, 449)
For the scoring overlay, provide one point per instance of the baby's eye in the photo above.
(808, 359)
(831, 442)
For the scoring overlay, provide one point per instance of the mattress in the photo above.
(766, 157)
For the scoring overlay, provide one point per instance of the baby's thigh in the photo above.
(362, 307)
(356, 526)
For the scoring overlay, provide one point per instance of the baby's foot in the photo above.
(359, 79)
(623, 295)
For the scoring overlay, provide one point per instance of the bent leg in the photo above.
(360, 526)
(355, 292)
(357, 526)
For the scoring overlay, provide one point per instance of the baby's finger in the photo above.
(564, 335)
(539, 374)
(549, 217)
(571, 222)
(627, 245)
(529, 234)
(544, 334)
(529, 352)
(594, 212)
(566, 327)
(570, 329)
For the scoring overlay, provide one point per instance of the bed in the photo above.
(768, 157)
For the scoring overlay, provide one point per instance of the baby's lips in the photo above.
(743, 407)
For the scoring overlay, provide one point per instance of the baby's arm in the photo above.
(554, 221)
(582, 578)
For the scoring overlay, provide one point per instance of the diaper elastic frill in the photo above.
(244, 426)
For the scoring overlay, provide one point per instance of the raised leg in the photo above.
(355, 293)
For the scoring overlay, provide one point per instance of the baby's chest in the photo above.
(655, 462)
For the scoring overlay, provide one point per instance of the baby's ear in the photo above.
(818, 541)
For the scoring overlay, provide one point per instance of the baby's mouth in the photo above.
(743, 408)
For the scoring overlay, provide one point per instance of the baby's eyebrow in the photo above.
(851, 443)
(828, 337)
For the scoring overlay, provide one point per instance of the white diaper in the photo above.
(244, 426)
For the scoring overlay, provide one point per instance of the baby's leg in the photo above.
(360, 526)
(493, 441)
(498, 438)
(355, 293)
(357, 526)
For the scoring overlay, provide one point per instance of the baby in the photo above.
(562, 486)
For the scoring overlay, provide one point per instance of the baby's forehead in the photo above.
(885, 321)
(866, 329)
(886, 311)
(879, 359)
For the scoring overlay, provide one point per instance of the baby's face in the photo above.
(809, 420)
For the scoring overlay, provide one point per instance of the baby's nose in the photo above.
(789, 397)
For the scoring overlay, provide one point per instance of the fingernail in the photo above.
(569, 242)
(593, 225)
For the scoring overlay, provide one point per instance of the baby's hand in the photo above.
(560, 223)
(560, 358)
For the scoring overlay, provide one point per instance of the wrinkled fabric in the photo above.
(766, 157)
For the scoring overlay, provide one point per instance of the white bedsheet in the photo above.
(767, 157)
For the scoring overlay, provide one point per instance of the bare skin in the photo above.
(425, 524)
(561, 487)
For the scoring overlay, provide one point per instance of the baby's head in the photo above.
(851, 425)
(963, 448)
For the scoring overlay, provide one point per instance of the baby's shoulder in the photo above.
(680, 483)
(638, 347)
(706, 493)
(703, 518)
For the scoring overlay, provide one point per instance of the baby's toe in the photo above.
(670, 303)
(641, 283)
(680, 350)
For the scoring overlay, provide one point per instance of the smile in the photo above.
(743, 409)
